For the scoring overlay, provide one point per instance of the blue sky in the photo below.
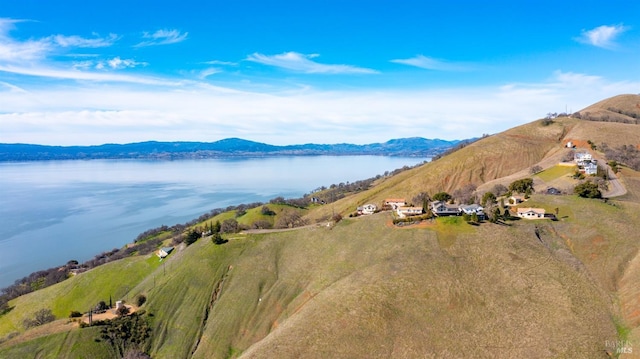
(286, 72)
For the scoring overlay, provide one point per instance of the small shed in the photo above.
(164, 251)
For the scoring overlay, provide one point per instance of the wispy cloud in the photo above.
(430, 63)
(218, 62)
(78, 41)
(12, 50)
(208, 72)
(162, 37)
(76, 74)
(118, 63)
(115, 63)
(602, 36)
(302, 63)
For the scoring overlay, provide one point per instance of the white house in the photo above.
(531, 213)
(394, 203)
(367, 209)
(590, 168)
(471, 209)
(408, 211)
(582, 158)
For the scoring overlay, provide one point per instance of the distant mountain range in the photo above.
(230, 147)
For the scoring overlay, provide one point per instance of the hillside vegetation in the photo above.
(363, 288)
(621, 108)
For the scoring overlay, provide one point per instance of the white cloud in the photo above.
(602, 36)
(162, 37)
(77, 41)
(71, 74)
(118, 63)
(431, 63)
(115, 63)
(98, 113)
(218, 62)
(15, 51)
(208, 72)
(302, 63)
(13, 88)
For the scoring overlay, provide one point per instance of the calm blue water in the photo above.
(55, 211)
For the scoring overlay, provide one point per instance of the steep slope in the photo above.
(364, 289)
(487, 159)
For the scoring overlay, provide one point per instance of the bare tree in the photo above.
(465, 194)
(535, 169)
(289, 218)
(499, 190)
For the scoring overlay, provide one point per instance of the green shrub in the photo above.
(75, 314)
(140, 300)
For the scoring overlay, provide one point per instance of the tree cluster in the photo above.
(524, 185)
(442, 196)
(126, 333)
(41, 317)
(587, 189)
(588, 116)
(290, 218)
(625, 154)
(466, 194)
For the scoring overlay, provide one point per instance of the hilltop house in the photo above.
(531, 213)
(590, 168)
(408, 211)
(367, 209)
(441, 208)
(471, 209)
(164, 251)
(394, 203)
(586, 163)
(582, 158)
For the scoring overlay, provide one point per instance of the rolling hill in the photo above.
(363, 288)
(229, 147)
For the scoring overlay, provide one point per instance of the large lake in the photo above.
(55, 211)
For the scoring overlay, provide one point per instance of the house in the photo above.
(590, 168)
(408, 211)
(531, 213)
(441, 208)
(367, 209)
(582, 158)
(513, 200)
(471, 209)
(164, 251)
(394, 203)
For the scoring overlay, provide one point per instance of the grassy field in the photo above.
(556, 172)
(364, 286)
(81, 292)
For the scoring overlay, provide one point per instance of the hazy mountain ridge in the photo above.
(230, 147)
